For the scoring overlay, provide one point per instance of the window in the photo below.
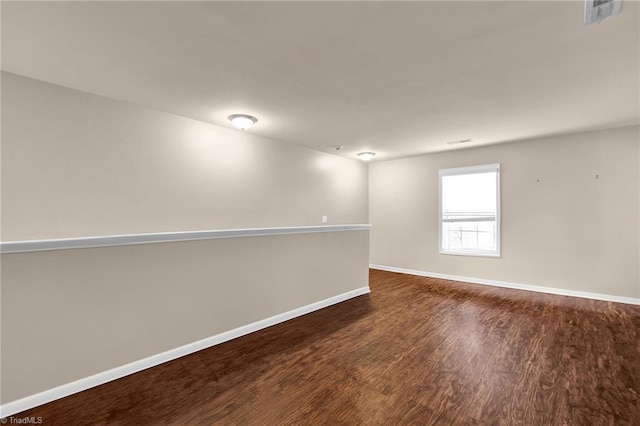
(470, 210)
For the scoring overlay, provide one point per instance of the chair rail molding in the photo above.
(164, 237)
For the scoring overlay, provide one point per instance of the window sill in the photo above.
(471, 254)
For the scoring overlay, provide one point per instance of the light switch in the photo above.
(324, 219)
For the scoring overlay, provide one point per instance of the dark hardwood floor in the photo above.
(415, 351)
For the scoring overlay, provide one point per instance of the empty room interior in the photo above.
(341, 213)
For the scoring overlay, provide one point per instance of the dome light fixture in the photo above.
(242, 121)
(366, 156)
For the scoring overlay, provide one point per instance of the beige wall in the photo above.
(569, 230)
(76, 164)
(68, 314)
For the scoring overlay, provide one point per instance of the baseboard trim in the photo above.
(517, 286)
(80, 385)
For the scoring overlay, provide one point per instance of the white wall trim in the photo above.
(163, 237)
(517, 286)
(80, 385)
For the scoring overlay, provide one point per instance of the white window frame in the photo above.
(462, 171)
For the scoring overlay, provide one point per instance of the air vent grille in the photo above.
(597, 10)
(459, 142)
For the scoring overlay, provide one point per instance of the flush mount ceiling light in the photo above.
(366, 156)
(242, 121)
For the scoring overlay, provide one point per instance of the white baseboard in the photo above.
(80, 385)
(539, 289)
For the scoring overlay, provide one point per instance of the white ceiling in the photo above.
(397, 78)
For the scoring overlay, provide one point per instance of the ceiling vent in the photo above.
(597, 10)
(459, 142)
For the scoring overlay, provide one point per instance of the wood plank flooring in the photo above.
(415, 351)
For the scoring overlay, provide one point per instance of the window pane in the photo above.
(469, 240)
(463, 195)
(469, 215)
(486, 241)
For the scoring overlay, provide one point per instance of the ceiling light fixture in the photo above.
(242, 121)
(366, 156)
